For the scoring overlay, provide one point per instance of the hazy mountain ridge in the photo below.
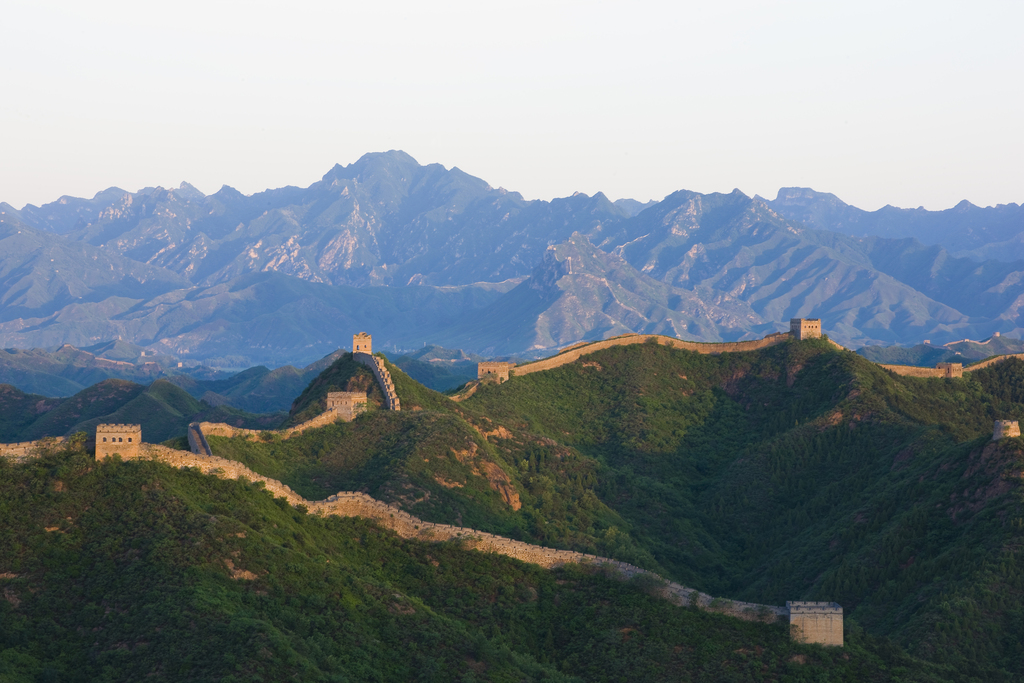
(993, 232)
(286, 275)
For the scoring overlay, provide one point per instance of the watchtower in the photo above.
(1005, 428)
(816, 622)
(805, 328)
(348, 404)
(362, 343)
(500, 371)
(118, 438)
(952, 369)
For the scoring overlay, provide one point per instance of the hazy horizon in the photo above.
(909, 105)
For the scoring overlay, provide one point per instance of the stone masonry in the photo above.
(1005, 428)
(805, 328)
(362, 343)
(380, 371)
(570, 354)
(27, 449)
(940, 370)
(347, 404)
(816, 622)
(494, 369)
(118, 438)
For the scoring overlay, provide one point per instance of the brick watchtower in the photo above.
(805, 328)
(816, 622)
(348, 404)
(494, 369)
(1005, 428)
(122, 439)
(362, 343)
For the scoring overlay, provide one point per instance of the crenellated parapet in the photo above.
(27, 449)
(380, 371)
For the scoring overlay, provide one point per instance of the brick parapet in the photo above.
(24, 450)
(380, 371)
(573, 353)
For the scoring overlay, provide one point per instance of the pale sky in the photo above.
(903, 103)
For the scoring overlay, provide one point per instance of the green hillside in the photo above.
(163, 410)
(137, 571)
(796, 472)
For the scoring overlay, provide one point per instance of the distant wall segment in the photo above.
(573, 353)
(28, 449)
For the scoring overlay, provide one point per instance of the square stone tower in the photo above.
(348, 404)
(805, 328)
(494, 369)
(816, 622)
(952, 369)
(362, 343)
(118, 438)
(1005, 428)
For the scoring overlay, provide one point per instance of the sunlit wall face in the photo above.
(901, 103)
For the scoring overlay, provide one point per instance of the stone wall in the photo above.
(198, 431)
(940, 370)
(28, 449)
(380, 371)
(355, 504)
(574, 353)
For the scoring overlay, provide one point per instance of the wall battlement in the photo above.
(573, 353)
(27, 449)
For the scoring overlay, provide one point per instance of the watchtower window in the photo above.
(129, 439)
(119, 439)
(104, 439)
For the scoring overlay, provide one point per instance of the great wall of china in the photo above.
(813, 622)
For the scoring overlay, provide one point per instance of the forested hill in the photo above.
(796, 472)
(128, 571)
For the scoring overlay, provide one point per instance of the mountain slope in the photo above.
(130, 571)
(965, 230)
(795, 472)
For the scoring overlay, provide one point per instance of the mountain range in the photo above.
(422, 254)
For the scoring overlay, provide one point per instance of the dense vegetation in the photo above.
(131, 571)
(798, 472)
